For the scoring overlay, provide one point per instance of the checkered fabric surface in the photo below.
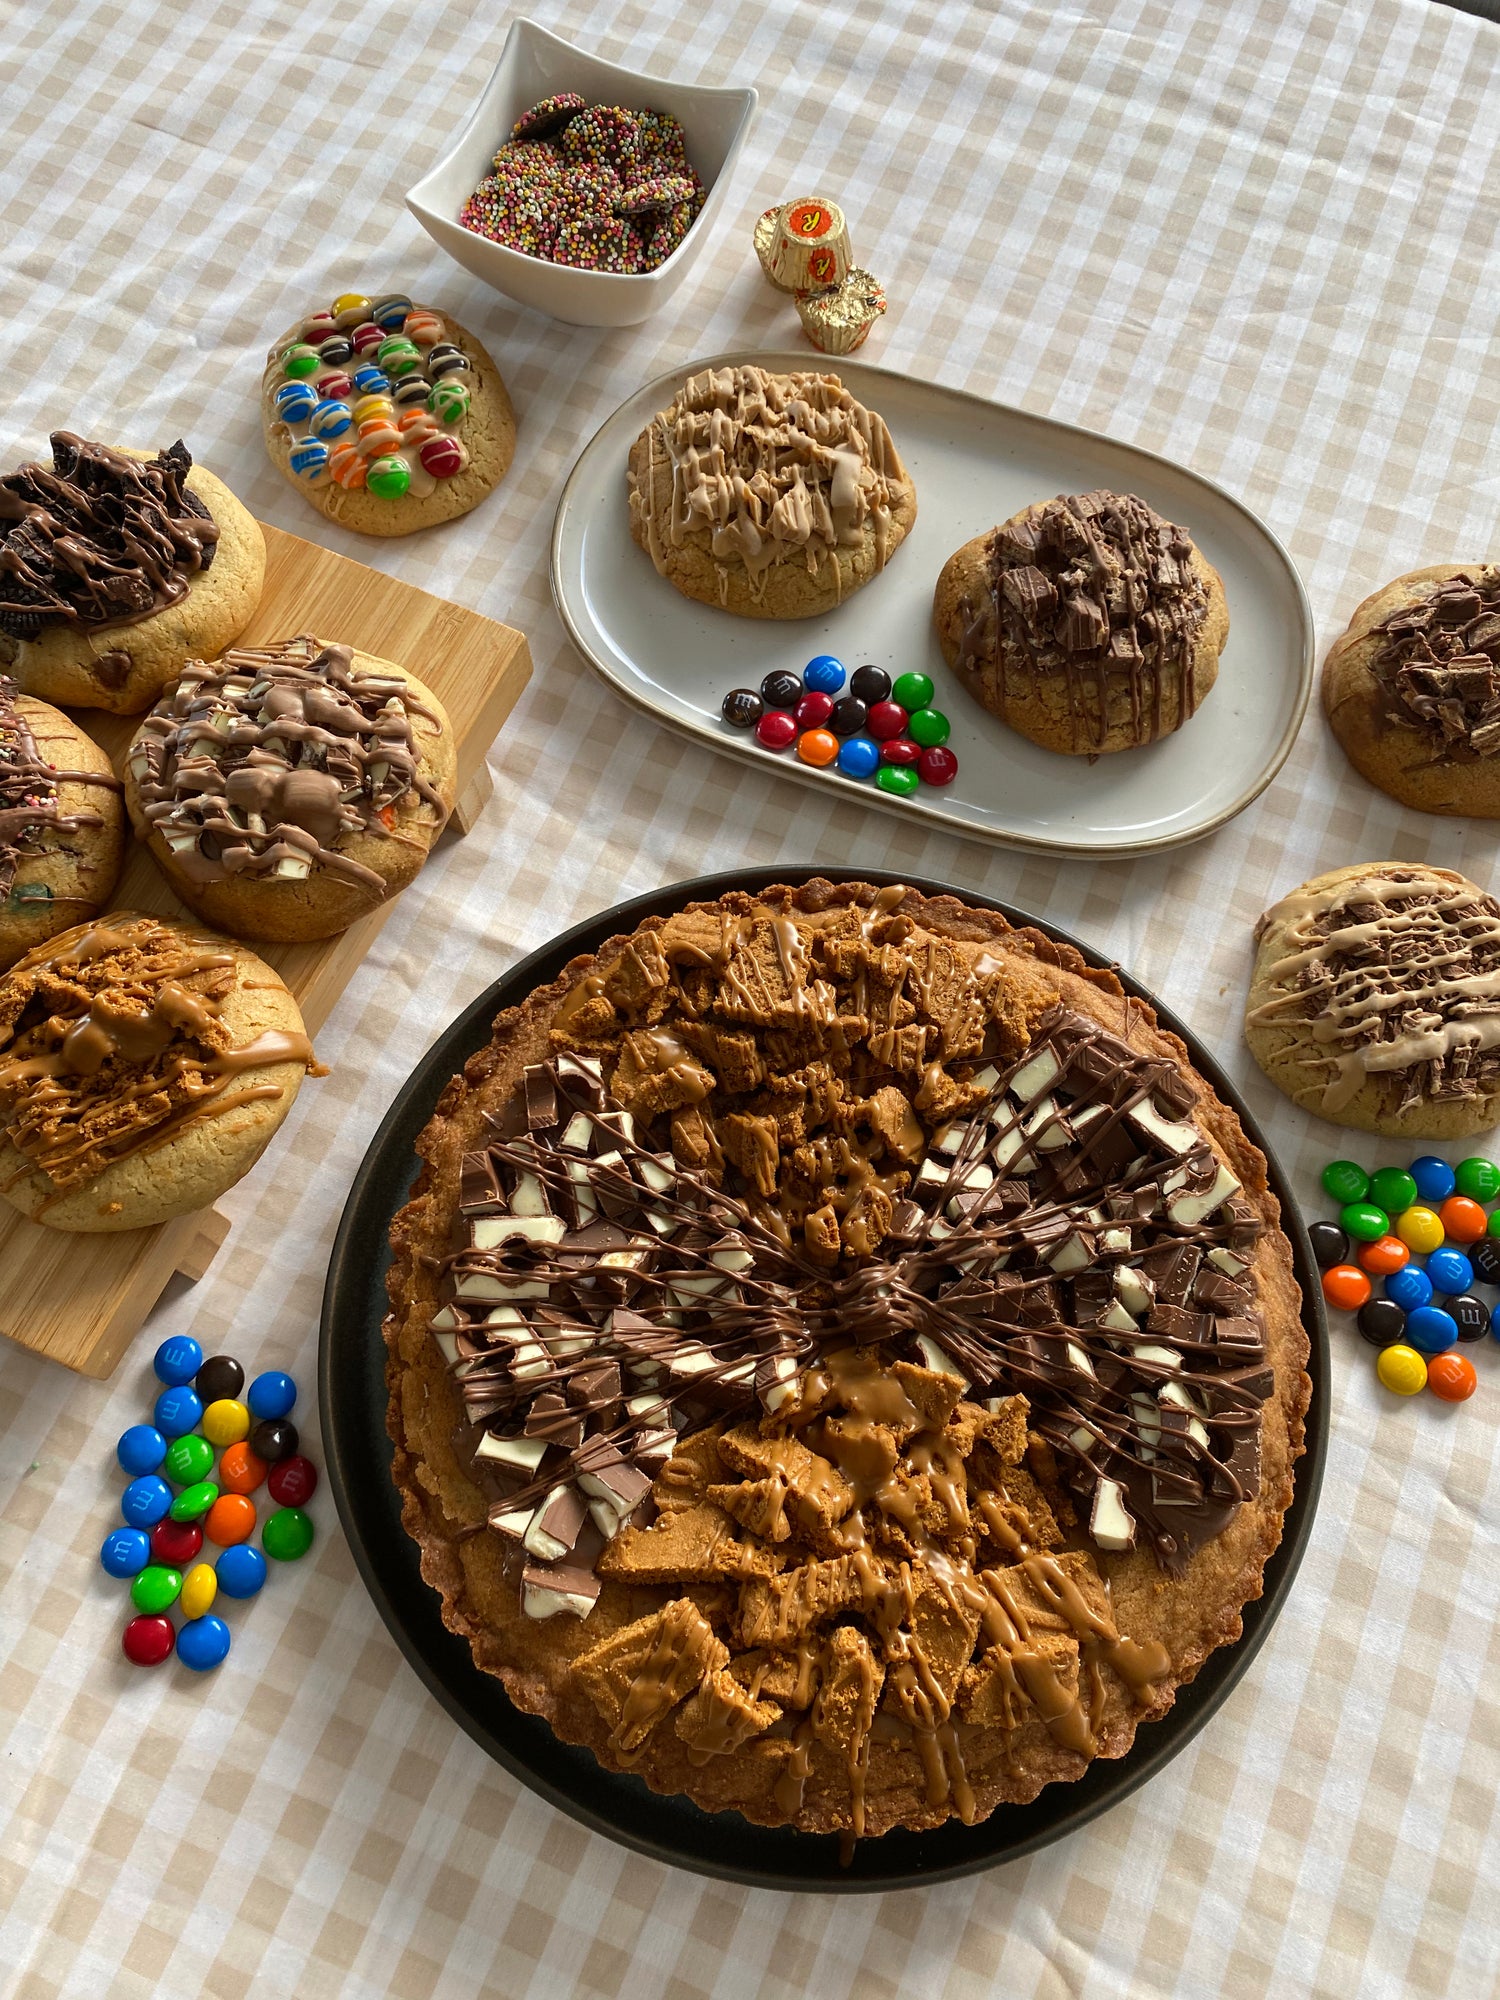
(1259, 238)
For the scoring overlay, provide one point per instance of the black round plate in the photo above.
(351, 1385)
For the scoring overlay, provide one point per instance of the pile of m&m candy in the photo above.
(200, 1412)
(879, 729)
(1423, 1232)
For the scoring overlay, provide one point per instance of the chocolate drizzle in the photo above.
(29, 807)
(100, 538)
(261, 764)
(1438, 661)
(1098, 589)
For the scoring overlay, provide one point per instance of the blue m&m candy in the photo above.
(141, 1449)
(146, 1501)
(309, 460)
(271, 1395)
(859, 757)
(241, 1570)
(126, 1551)
(1430, 1330)
(177, 1360)
(1450, 1272)
(1410, 1287)
(824, 675)
(178, 1410)
(331, 419)
(1435, 1179)
(203, 1643)
(295, 401)
(391, 313)
(371, 381)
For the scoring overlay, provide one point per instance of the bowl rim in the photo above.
(745, 95)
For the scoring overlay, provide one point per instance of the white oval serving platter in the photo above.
(974, 464)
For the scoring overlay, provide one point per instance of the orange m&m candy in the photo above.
(1452, 1377)
(817, 746)
(231, 1519)
(1464, 1220)
(1384, 1255)
(240, 1471)
(1346, 1286)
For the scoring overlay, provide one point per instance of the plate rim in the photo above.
(933, 814)
(1068, 1807)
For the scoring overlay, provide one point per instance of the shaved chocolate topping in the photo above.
(28, 792)
(1439, 662)
(261, 764)
(1099, 590)
(98, 539)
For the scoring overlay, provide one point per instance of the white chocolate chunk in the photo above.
(1164, 1357)
(732, 1259)
(1115, 1239)
(443, 1320)
(1070, 1255)
(1080, 1360)
(536, 1541)
(1010, 1155)
(1116, 1319)
(488, 1232)
(292, 867)
(1035, 1076)
(539, 1603)
(784, 1368)
(939, 1360)
(1227, 1262)
(506, 1316)
(1111, 1523)
(1082, 1439)
(529, 1198)
(1133, 1289)
(525, 1454)
(657, 1177)
(513, 1524)
(1193, 1208)
(577, 1133)
(1177, 1138)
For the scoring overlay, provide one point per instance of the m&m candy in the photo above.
(1431, 1329)
(155, 1588)
(287, 1535)
(444, 360)
(240, 1471)
(742, 708)
(1420, 1229)
(1381, 1322)
(140, 1449)
(391, 313)
(781, 690)
(335, 350)
(147, 1641)
(203, 1643)
(199, 1589)
(1464, 1220)
(1402, 1370)
(898, 779)
(145, 1501)
(318, 327)
(817, 747)
(443, 457)
(350, 308)
(928, 727)
(221, 1375)
(388, 477)
(1346, 1286)
(885, 719)
(300, 360)
(899, 750)
(294, 401)
(1364, 1221)
(194, 1500)
(189, 1459)
(937, 765)
(124, 1551)
(1410, 1287)
(331, 419)
(1470, 1315)
(226, 1422)
(175, 1543)
(1345, 1181)
(912, 690)
(1485, 1257)
(1392, 1189)
(334, 387)
(371, 381)
(177, 1410)
(410, 393)
(858, 757)
(231, 1519)
(177, 1360)
(425, 328)
(367, 337)
(1478, 1179)
(824, 675)
(241, 1570)
(1451, 1377)
(813, 710)
(848, 716)
(374, 408)
(1435, 1179)
(776, 729)
(398, 356)
(309, 460)
(293, 1482)
(1450, 1271)
(1384, 1255)
(273, 1439)
(1329, 1244)
(449, 400)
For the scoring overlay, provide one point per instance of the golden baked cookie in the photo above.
(1375, 1000)
(844, 1365)
(115, 567)
(62, 824)
(144, 1066)
(1412, 689)
(1088, 623)
(771, 496)
(386, 416)
(286, 790)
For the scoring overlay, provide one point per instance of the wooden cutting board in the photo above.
(81, 1299)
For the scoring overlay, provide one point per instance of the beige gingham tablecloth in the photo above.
(1257, 237)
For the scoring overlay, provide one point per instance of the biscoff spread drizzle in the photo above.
(29, 806)
(260, 765)
(774, 469)
(112, 1041)
(1395, 972)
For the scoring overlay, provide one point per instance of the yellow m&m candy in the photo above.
(350, 309)
(1400, 1368)
(1420, 1229)
(199, 1589)
(226, 1422)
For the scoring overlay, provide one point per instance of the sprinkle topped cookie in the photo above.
(350, 427)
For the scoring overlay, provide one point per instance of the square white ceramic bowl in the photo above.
(535, 64)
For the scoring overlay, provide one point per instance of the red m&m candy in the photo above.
(442, 456)
(813, 710)
(886, 719)
(937, 766)
(899, 750)
(146, 1642)
(175, 1543)
(293, 1482)
(1346, 1287)
(776, 729)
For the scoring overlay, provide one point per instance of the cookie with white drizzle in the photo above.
(62, 824)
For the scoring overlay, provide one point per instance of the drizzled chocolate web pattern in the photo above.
(28, 791)
(100, 538)
(1073, 1237)
(1439, 661)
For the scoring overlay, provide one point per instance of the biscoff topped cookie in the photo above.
(825, 1300)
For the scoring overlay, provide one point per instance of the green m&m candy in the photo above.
(1346, 1181)
(195, 1500)
(913, 691)
(300, 360)
(928, 726)
(189, 1458)
(154, 1588)
(1478, 1179)
(1364, 1221)
(287, 1534)
(899, 779)
(1393, 1189)
(388, 477)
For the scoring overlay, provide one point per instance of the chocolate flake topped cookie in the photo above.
(835, 1273)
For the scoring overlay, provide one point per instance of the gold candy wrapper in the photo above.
(804, 244)
(837, 318)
